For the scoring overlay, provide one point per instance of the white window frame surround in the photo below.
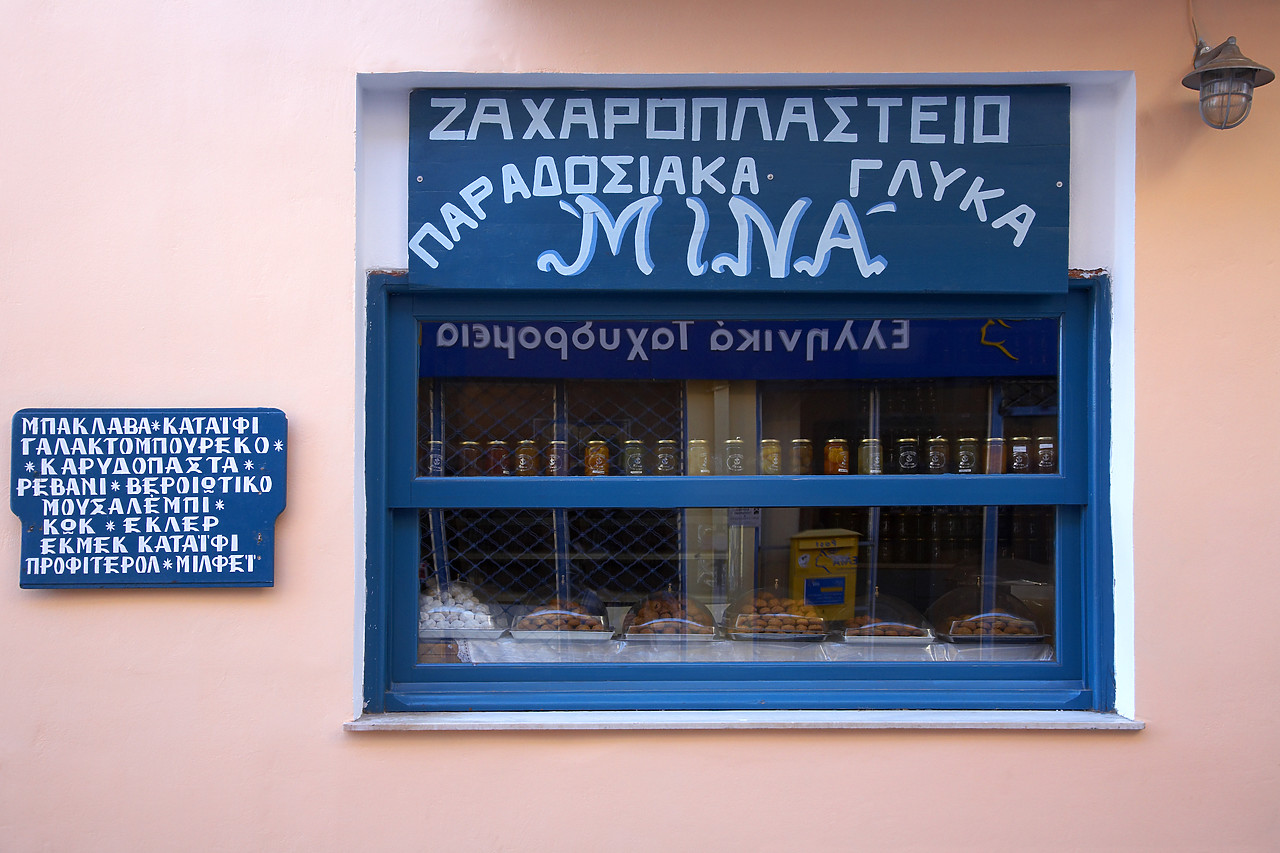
(1102, 233)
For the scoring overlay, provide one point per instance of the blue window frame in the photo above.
(399, 678)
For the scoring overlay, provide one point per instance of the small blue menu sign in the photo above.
(148, 497)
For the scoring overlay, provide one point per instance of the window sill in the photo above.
(716, 720)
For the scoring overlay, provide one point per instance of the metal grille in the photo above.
(621, 552)
(520, 554)
(615, 411)
(483, 411)
(1035, 396)
(504, 551)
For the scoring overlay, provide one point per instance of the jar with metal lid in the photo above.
(558, 459)
(633, 457)
(770, 456)
(595, 461)
(1020, 455)
(967, 456)
(884, 535)
(906, 532)
(497, 459)
(667, 458)
(932, 536)
(435, 458)
(526, 458)
(835, 457)
(870, 456)
(801, 461)
(995, 456)
(1046, 459)
(907, 458)
(472, 454)
(938, 460)
(953, 535)
(699, 457)
(735, 456)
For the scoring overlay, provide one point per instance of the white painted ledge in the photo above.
(715, 720)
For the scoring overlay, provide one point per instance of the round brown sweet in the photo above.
(561, 615)
(668, 613)
(767, 613)
(992, 624)
(865, 626)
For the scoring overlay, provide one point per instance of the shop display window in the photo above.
(743, 501)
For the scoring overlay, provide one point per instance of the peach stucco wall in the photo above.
(178, 228)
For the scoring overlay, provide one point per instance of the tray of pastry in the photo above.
(764, 615)
(922, 639)
(998, 639)
(551, 635)
(668, 616)
(564, 620)
(778, 636)
(992, 627)
(457, 612)
(685, 637)
(460, 633)
(873, 630)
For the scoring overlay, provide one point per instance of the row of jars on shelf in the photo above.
(938, 455)
(951, 535)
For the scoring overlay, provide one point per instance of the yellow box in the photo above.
(824, 570)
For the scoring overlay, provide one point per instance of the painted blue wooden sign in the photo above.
(908, 190)
(148, 497)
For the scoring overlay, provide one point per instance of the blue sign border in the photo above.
(148, 498)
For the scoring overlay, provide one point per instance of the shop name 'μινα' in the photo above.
(842, 228)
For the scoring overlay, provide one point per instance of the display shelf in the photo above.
(745, 490)
(599, 527)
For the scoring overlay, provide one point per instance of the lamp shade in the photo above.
(1225, 78)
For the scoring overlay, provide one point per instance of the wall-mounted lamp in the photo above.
(1226, 79)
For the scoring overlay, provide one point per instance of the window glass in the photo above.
(728, 584)
(549, 581)
(935, 396)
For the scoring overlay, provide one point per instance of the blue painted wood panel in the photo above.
(898, 190)
(148, 497)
